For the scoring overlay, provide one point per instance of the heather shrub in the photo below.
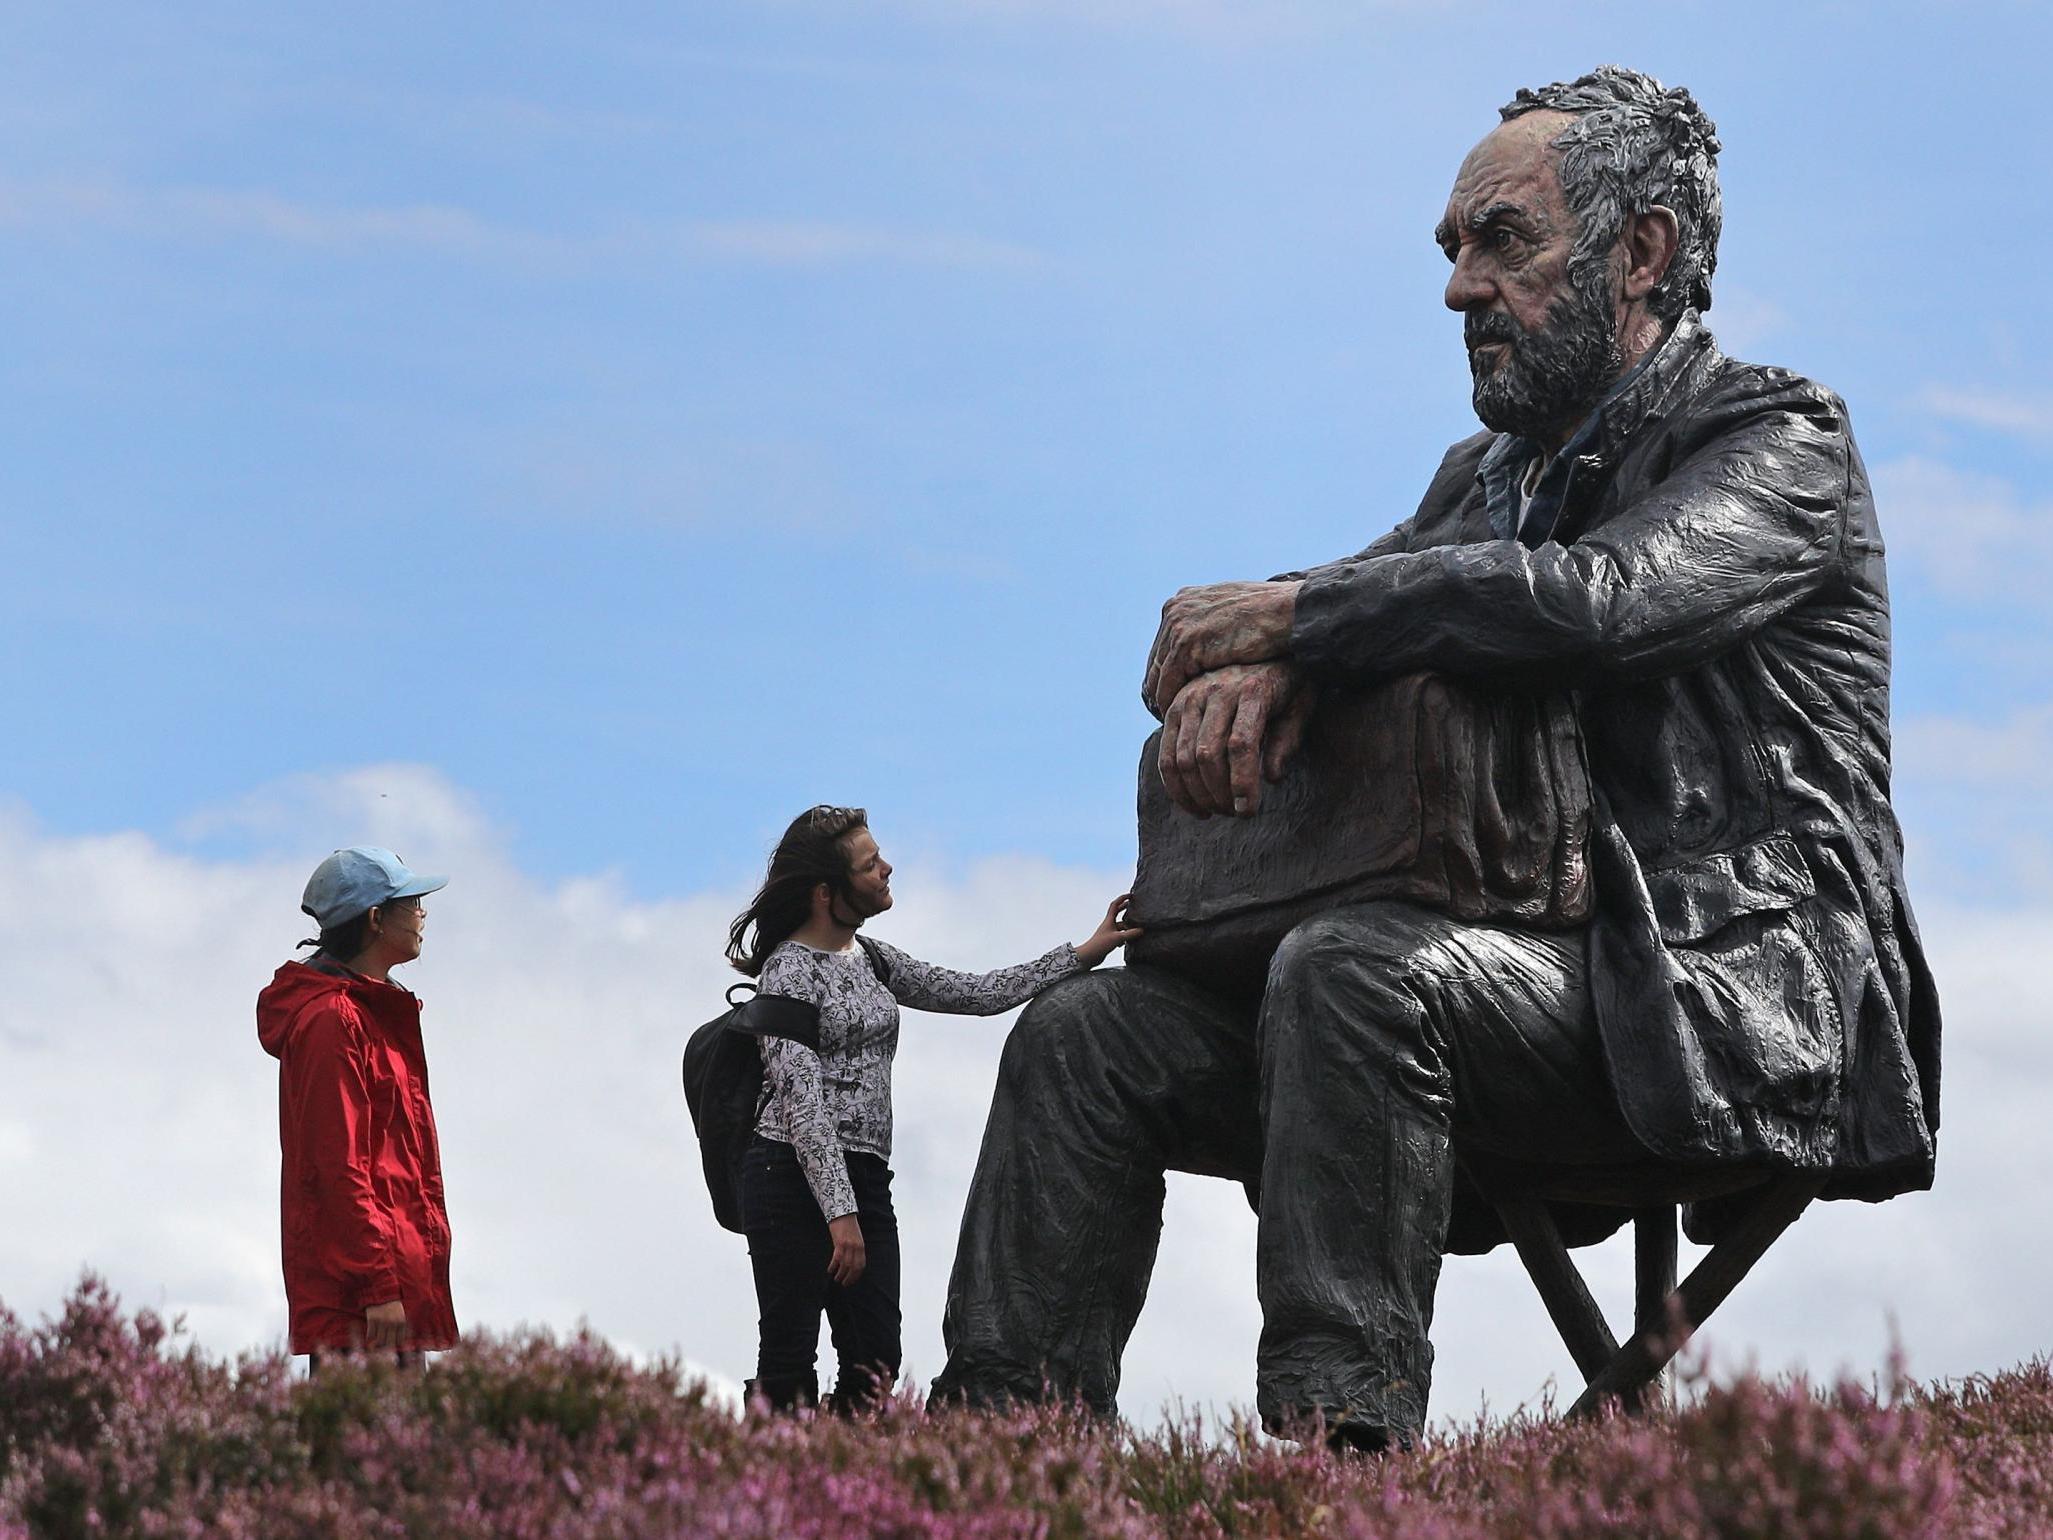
(1999, 1433)
(112, 1425)
(527, 1389)
(104, 1422)
(1235, 1484)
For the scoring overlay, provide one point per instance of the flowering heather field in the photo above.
(110, 1426)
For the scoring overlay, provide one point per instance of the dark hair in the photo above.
(346, 939)
(812, 852)
(1633, 145)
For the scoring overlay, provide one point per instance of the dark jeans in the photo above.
(788, 1249)
(1385, 1031)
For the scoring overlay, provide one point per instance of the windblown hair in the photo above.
(814, 850)
(344, 941)
(1634, 145)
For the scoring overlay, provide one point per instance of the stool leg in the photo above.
(1653, 1231)
(1704, 1290)
(1567, 1298)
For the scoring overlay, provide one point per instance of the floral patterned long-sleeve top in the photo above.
(839, 1098)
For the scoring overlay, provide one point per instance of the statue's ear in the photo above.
(1650, 241)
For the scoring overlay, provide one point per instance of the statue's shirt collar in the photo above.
(1508, 462)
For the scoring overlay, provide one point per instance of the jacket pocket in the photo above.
(1697, 899)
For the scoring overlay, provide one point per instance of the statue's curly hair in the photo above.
(1634, 144)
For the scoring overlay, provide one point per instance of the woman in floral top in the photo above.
(816, 1182)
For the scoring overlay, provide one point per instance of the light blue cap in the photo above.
(358, 879)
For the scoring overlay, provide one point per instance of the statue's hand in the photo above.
(1227, 731)
(1208, 628)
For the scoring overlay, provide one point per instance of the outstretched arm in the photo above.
(925, 987)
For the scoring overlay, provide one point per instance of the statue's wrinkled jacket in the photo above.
(1714, 598)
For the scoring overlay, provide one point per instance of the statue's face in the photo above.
(1542, 342)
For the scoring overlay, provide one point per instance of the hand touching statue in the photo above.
(1113, 932)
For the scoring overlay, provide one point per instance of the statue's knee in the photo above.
(1055, 1025)
(1027, 1051)
(1389, 942)
(1360, 974)
(1312, 952)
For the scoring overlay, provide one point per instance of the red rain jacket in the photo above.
(361, 1200)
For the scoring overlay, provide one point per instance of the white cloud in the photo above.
(138, 1133)
(211, 213)
(1967, 534)
(2014, 756)
(2025, 414)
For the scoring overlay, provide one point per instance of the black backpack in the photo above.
(723, 1079)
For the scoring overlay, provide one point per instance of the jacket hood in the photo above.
(292, 989)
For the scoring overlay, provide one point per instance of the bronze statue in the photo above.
(1660, 566)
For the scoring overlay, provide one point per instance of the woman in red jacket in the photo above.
(366, 1233)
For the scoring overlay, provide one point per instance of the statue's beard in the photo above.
(1549, 379)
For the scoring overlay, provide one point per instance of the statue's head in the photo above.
(1580, 228)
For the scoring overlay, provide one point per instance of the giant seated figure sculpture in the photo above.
(1527, 870)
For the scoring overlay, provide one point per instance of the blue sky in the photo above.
(661, 418)
(627, 425)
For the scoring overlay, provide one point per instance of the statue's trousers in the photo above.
(1386, 1031)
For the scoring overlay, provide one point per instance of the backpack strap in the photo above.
(764, 1015)
(875, 953)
